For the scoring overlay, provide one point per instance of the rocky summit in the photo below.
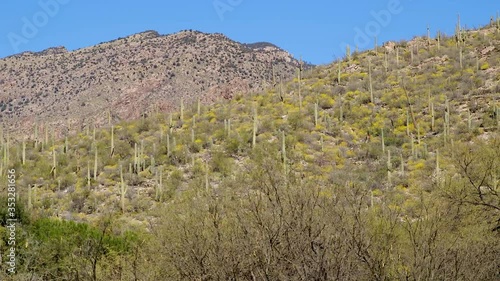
(131, 76)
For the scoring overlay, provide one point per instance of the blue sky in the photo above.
(315, 30)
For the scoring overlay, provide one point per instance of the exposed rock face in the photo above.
(131, 75)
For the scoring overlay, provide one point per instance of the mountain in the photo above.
(383, 165)
(130, 76)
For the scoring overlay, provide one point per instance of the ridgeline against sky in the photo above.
(317, 31)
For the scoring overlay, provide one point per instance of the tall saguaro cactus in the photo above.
(54, 163)
(95, 165)
(254, 130)
(428, 37)
(432, 117)
(370, 80)
(458, 32)
(339, 71)
(498, 21)
(112, 141)
(136, 165)
(123, 190)
(169, 149)
(438, 38)
(159, 188)
(29, 197)
(299, 78)
(142, 162)
(389, 167)
(283, 151)
(316, 114)
(382, 139)
(447, 122)
(88, 174)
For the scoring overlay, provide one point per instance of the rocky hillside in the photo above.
(383, 165)
(133, 75)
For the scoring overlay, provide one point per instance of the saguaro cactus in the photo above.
(35, 135)
(274, 75)
(498, 21)
(254, 130)
(370, 80)
(159, 187)
(142, 162)
(123, 190)
(112, 149)
(428, 36)
(438, 170)
(389, 167)
(46, 141)
(88, 174)
(382, 139)
(341, 110)
(432, 117)
(66, 146)
(54, 164)
(339, 72)
(458, 32)
(169, 150)
(136, 165)
(447, 121)
(299, 78)
(438, 38)
(95, 165)
(407, 123)
(316, 114)
(413, 150)
(29, 197)
(283, 151)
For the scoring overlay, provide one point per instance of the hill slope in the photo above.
(381, 166)
(132, 75)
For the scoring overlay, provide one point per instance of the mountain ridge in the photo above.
(56, 84)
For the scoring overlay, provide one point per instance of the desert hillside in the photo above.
(383, 165)
(130, 76)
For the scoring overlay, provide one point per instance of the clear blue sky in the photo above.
(315, 30)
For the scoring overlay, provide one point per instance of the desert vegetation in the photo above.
(383, 165)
